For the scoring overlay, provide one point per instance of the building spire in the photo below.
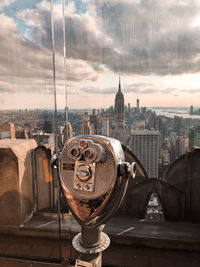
(119, 85)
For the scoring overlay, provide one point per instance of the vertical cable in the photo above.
(65, 71)
(65, 77)
(59, 217)
(54, 79)
(55, 130)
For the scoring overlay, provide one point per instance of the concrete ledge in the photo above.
(166, 235)
(133, 242)
(16, 191)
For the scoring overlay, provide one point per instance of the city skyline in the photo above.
(153, 46)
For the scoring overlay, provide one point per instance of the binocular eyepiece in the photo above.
(86, 150)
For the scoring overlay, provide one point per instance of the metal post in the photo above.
(90, 242)
(91, 239)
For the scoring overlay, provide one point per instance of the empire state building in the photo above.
(119, 109)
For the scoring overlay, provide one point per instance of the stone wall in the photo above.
(7, 130)
(16, 190)
(43, 178)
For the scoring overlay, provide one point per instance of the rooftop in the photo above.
(38, 240)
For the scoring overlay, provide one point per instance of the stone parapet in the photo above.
(16, 190)
(133, 242)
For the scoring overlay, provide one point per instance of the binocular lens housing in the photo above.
(75, 152)
(88, 172)
(89, 153)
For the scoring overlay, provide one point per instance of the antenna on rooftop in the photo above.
(119, 83)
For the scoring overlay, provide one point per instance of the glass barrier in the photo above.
(125, 69)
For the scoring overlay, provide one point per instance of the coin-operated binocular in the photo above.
(94, 179)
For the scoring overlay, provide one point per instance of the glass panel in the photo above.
(126, 69)
(27, 127)
(154, 48)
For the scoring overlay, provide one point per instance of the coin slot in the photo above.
(68, 166)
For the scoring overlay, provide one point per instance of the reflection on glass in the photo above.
(130, 69)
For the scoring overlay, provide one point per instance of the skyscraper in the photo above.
(48, 127)
(191, 110)
(119, 129)
(181, 145)
(194, 137)
(145, 145)
(177, 124)
(119, 109)
(85, 127)
(104, 126)
(138, 105)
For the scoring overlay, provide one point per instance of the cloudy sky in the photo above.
(154, 45)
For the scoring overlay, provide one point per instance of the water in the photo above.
(174, 111)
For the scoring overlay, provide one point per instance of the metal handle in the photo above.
(131, 169)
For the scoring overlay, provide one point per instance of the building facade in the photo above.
(85, 127)
(194, 137)
(145, 145)
(105, 126)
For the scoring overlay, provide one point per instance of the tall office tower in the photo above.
(181, 145)
(67, 131)
(145, 145)
(138, 105)
(85, 127)
(144, 109)
(191, 110)
(105, 126)
(177, 124)
(48, 127)
(194, 137)
(119, 109)
(94, 121)
(129, 106)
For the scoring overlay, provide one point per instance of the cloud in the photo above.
(78, 67)
(190, 90)
(168, 90)
(149, 91)
(22, 62)
(156, 37)
(135, 88)
(144, 37)
(143, 88)
(147, 37)
(131, 37)
(26, 63)
(94, 90)
(5, 3)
